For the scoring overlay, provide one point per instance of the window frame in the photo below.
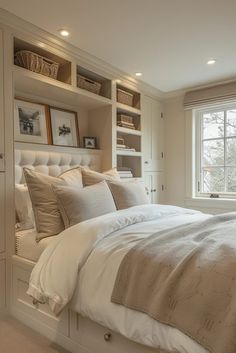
(199, 150)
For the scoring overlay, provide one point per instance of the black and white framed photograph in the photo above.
(31, 122)
(64, 127)
(90, 142)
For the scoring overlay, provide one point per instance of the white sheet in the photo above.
(27, 247)
(95, 249)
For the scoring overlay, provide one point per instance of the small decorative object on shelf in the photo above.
(64, 125)
(37, 63)
(88, 84)
(31, 122)
(90, 142)
(125, 121)
(125, 97)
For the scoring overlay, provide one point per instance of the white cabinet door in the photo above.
(152, 127)
(2, 283)
(2, 212)
(155, 185)
(2, 167)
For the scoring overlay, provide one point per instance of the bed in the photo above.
(88, 320)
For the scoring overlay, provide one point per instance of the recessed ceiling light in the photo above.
(64, 32)
(138, 74)
(211, 62)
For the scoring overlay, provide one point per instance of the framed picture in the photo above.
(64, 127)
(31, 122)
(90, 142)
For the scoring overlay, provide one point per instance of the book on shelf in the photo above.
(127, 126)
(127, 149)
(121, 146)
(125, 174)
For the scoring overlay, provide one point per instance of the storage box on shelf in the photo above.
(42, 61)
(93, 82)
(128, 97)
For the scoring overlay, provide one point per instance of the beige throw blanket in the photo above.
(186, 278)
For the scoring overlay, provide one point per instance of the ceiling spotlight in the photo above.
(64, 32)
(211, 62)
(138, 74)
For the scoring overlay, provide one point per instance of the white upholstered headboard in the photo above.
(52, 160)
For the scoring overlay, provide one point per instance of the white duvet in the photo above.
(80, 267)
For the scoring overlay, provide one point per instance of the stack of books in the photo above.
(120, 145)
(125, 121)
(125, 173)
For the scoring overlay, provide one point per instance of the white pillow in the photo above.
(128, 194)
(78, 205)
(90, 177)
(24, 209)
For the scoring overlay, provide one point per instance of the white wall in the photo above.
(174, 151)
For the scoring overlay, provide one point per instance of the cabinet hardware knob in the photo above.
(107, 336)
(146, 162)
(1, 155)
(154, 190)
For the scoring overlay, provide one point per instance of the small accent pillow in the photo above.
(48, 219)
(90, 177)
(128, 194)
(78, 205)
(24, 209)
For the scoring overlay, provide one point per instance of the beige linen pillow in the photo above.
(48, 219)
(90, 177)
(77, 205)
(128, 194)
(24, 209)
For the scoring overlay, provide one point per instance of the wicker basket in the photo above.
(125, 97)
(125, 118)
(88, 84)
(37, 63)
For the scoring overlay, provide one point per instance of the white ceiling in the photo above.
(168, 40)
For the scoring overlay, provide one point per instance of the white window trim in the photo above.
(192, 199)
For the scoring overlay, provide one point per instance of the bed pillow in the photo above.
(128, 194)
(24, 209)
(91, 177)
(48, 219)
(77, 205)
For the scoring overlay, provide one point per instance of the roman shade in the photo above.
(213, 94)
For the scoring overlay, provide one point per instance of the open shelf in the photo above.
(122, 108)
(128, 153)
(125, 131)
(92, 78)
(35, 84)
(132, 163)
(64, 71)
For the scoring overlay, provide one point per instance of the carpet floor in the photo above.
(15, 337)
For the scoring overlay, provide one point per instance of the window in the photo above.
(216, 152)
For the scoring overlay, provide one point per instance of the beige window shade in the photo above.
(212, 94)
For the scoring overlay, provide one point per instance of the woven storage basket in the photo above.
(37, 63)
(88, 84)
(125, 97)
(125, 118)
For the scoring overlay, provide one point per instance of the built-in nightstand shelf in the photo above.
(126, 131)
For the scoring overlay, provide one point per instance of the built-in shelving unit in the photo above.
(128, 131)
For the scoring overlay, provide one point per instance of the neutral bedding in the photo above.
(82, 262)
(27, 246)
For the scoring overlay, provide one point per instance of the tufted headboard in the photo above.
(52, 160)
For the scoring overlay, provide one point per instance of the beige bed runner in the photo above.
(186, 278)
